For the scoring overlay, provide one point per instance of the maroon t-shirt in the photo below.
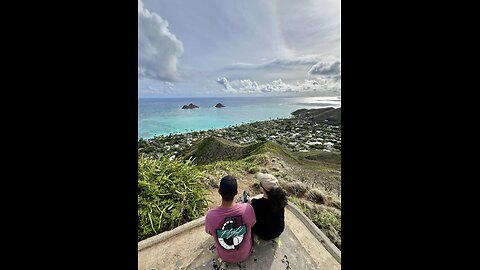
(232, 230)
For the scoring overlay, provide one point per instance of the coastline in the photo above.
(297, 134)
(161, 117)
(303, 151)
(210, 129)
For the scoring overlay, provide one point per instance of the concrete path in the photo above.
(300, 246)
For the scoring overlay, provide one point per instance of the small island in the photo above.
(219, 105)
(190, 106)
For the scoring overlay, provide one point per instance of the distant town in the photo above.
(296, 134)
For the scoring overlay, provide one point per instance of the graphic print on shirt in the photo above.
(231, 235)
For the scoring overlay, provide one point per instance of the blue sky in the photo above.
(238, 48)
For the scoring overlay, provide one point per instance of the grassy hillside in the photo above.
(214, 149)
(311, 180)
(331, 160)
(331, 115)
(170, 193)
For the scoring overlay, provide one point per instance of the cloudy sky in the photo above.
(237, 48)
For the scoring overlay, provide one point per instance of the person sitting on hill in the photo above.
(231, 224)
(269, 210)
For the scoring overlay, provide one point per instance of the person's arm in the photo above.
(246, 198)
(207, 225)
(252, 215)
(252, 199)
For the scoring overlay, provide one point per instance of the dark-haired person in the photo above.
(269, 210)
(231, 224)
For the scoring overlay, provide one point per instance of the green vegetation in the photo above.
(330, 158)
(271, 147)
(214, 149)
(248, 165)
(299, 134)
(327, 219)
(330, 115)
(297, 188)
(177, 173)
(216, 170)
(316, 195)
(170, 193)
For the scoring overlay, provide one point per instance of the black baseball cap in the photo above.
(228, 185)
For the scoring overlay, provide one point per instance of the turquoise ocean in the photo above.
(163, 116)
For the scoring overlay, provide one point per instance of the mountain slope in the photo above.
(333, 116)
(214, 149)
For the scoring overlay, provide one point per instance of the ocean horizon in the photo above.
(163, 116)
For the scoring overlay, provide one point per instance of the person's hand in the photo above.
(245, 197)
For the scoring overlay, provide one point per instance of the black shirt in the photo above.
(269, 225)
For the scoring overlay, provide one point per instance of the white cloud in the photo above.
(223, 81)
(295, 61)
(245, 86)
(226, 85)
(158, 49)
(314, 64)
(281, 63)
(162, 88)
(278, 86)
(311, 26)
(326, 67)
(302, 38)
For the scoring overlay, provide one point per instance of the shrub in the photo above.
(317, 196)
(334, 202)
(170, 193)
(256, 186)
(325, 219)
(142, 143)
(297, 188)
(253, 169)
